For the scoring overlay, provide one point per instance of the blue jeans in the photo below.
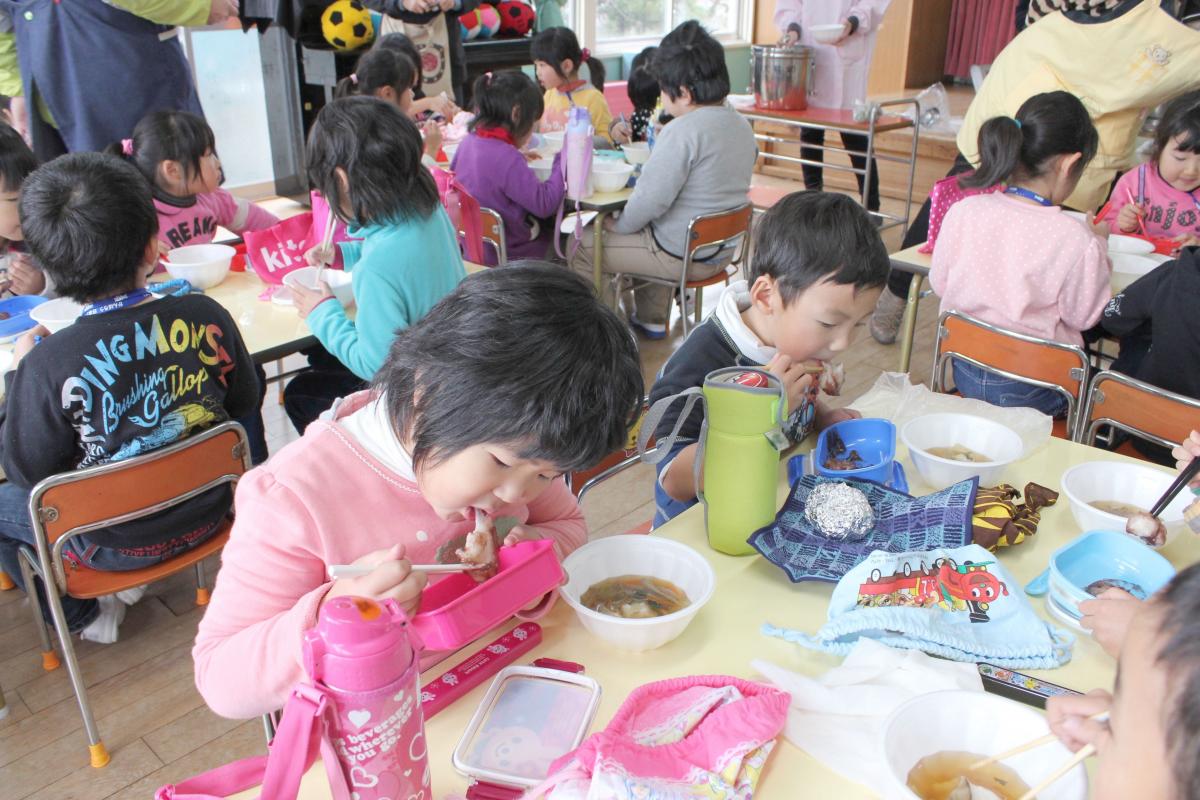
(980, 384)
(16, 530)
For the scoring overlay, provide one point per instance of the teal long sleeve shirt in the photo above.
(398, 272)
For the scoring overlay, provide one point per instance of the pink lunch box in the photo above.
(457, 610)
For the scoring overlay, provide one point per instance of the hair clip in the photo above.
(1014, 119)
(587, 54)
(354, 78)
(127, 146)
(487, 77)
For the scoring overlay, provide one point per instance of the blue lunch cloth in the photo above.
(957, 603)
(902, 523)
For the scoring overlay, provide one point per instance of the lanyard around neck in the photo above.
(1028, 194)
(115, 303)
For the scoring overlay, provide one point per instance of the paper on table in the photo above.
(838, 718)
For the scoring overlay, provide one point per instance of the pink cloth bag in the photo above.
(278, 250)
(697, 736)
(944, 194)
(463, 210)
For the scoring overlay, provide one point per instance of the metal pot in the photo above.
(782, 76)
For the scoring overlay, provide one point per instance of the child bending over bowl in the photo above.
(818, 268)
(471, 412)
(22, 275)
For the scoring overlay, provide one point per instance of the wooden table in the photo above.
(842, 120)
(912, 260)
(725, 635)
(603, 203)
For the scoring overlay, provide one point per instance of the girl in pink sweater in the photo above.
(471, 412)
(1012, 258)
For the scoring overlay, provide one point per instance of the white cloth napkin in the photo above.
(838, 717)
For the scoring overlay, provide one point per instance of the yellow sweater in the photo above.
(1120, 69)
(558, 103)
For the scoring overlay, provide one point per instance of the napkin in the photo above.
(838, 718)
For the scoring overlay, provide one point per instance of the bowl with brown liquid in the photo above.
(1102, 494)
(948, 448)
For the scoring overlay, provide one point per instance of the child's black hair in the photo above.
(644, 58)
(167, 136)
(88, 218)
(1180, 117)
(17, 161)
(380, 150)
(556, 45)
(562, 386)
(401, 44)
(689, 58)
(377, 69)
(1179, 632)
(1047, 125)
(808, 237)
(642, 88)
(496, 94)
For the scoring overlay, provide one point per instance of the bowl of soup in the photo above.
(948, 448)
(1103, 494)
(637, 592)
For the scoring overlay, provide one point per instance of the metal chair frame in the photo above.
(1089, 428)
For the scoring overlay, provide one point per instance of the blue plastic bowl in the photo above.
(18, 309)
(875, 441)
(1104, 555)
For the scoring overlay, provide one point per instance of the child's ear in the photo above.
(343, 179)
(150, 255)
(1067, 162)
(762, 292)
(568, 66)
(387, 93)
(685, 96)
(170, 172)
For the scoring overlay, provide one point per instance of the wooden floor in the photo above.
(149, 713)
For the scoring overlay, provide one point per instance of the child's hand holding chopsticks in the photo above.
(1073, 718)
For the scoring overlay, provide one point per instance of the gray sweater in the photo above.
(701, 163)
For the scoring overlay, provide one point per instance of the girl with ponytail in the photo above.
(557, 58)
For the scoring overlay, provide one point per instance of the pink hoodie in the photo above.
(321, 500)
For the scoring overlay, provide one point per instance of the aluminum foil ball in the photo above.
(839, 511)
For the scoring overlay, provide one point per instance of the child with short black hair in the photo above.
(643, 91)
(132, 374)
(818, 268)
(472, 413)
(20, 275)
(557, 58)
(176, 152)
(392, 77)
(490, 164)
(364, 156)
(701, 164)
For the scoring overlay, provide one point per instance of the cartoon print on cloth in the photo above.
(161, 398)
(1149, 65)
(802, 420)
(956, 603)
(945, 584)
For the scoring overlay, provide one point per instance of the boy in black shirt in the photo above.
(132, 374)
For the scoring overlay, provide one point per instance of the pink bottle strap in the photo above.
(289, 756)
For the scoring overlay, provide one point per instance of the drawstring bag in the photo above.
(701, 736)
(944, 194)
(463, 210)
(278, 250)
(957, 603)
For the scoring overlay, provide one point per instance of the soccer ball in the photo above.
(347, 25)
(516, 18)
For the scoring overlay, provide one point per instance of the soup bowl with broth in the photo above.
(1097, 489)
(948, 448)
(640, 574)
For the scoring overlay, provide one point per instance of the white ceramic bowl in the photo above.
(1003, 445)
(338, 280)
(827, 34)
(1136, 484)
(634, 554)
(201, 265)
(56, 314)
(636, 152)
(610, 176)
(552, 141)
(542, 168)
(975, 722)
(1132, 264)
(1119, 243)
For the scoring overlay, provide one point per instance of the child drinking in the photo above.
(391, 77)
(176, 152)
(516, 377)
(818, 268)
(18, 273)
(1012, 258)
(364, 156)
(90, 221)
(701, 164)
(489, 163)
(1161, 198)
(557, 58)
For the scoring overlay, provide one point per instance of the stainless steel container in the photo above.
(782, 76)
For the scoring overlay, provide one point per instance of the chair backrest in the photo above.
(616, 94)
(1042, 362)
(1137, 408)
(718, 229)
(491, 226)
(73, 503)
(615, 462)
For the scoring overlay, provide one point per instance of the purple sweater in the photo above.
(497, 175)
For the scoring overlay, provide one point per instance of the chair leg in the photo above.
(279, 388)
(6, 582)
(96, 749)
(269, 723)
(699, 303)
(50, 660)
(202, 593)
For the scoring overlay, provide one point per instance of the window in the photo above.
(617, 26)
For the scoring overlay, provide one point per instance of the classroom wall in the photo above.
(737, 59)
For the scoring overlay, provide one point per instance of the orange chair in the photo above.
(491, 226)
(1148, 412)
(1041, 362)
(6, 582)
(70, 504)
(704, 232)
(613, 464)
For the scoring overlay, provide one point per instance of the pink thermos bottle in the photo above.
(362, 653)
